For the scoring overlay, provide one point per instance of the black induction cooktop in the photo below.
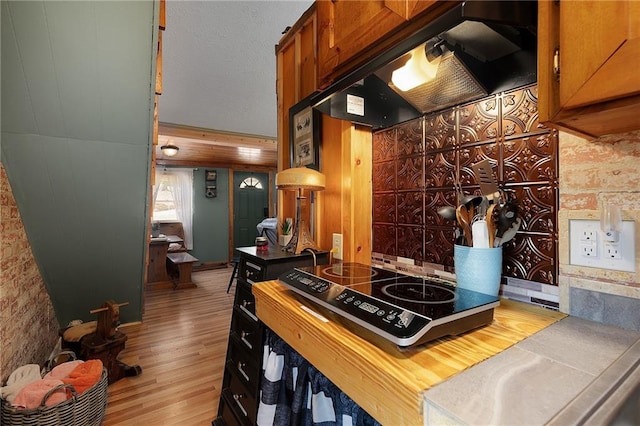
(404, 309)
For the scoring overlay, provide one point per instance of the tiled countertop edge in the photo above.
(601, 401)
(593, 402)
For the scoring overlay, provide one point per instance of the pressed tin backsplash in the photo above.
(414, 165)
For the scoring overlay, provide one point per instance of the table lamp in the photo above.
(300, 179)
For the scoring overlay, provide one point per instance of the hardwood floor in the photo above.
(181, 346)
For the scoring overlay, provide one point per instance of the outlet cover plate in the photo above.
(337, 245)
(625, 248)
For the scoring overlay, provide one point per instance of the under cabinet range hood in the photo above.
(476, 49)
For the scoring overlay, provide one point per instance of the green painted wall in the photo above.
(211, 218)
(77, 111)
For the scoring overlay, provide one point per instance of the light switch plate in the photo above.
(587, 246)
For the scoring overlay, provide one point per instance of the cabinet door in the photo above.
(345, 28)
(352, 32)
(599, 42)
(598, 90)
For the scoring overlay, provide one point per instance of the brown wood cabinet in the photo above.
(597, 91)
(351, 32)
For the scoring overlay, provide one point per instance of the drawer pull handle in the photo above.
(241, 370)
(246, 303)
(236, 398)
(248, 312)
(243, 336)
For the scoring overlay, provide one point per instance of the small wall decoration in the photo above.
(304, 135)
(211, 183)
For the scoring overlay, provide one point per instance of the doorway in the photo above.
(250, 206)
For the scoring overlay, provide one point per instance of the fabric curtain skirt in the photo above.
(293, 392)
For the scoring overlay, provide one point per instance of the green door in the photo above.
(250, 206)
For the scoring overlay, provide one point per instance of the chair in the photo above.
(235, 262)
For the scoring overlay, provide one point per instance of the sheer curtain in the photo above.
(181, 183)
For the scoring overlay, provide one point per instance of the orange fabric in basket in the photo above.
(85, 375)
(63, 370)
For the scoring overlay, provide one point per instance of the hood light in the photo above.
(418, 70)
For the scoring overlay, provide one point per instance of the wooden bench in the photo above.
(180, 264)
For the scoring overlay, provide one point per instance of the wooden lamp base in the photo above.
(301, 240)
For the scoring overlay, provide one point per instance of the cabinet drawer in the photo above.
(251, 272)
(244, 364)
(242, 403)
(247, 331)
(226, 416)
(245, 301)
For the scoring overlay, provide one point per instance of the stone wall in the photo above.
(593, 173)
(28, 325)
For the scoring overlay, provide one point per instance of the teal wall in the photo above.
(77, 113)
(211, 218)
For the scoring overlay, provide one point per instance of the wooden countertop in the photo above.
(385, 381)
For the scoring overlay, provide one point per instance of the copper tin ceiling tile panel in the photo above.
(501, 128)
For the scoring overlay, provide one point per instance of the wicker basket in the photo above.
(86, 409)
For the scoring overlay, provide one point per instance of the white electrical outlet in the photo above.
(587, 247)
(588, 234)
(589, 250)
(611, 251)
(337, 246)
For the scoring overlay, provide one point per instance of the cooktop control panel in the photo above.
(392, 322)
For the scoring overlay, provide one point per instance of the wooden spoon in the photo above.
(491, 224)
(462, 214)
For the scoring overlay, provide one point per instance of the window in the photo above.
(164, 206)
(251, 182)
(173, 200)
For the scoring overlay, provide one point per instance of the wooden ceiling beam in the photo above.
(208, 164)
(180, 133)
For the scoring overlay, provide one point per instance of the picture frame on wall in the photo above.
(304, 136)
(211, 175)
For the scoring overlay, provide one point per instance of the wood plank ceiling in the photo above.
(204, 147)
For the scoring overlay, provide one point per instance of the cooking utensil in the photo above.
(480, 234)
(492, 211)
(488, 183)
(471, 202)
(464, 221)
(509, 233)
(447, 212)
(506, 217)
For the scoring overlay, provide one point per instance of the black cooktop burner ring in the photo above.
(453, 294)
(370, 272)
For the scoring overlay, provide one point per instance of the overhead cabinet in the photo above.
(351, 32)
(588, 55)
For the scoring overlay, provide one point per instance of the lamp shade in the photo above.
(300, 177)
(169, 150)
